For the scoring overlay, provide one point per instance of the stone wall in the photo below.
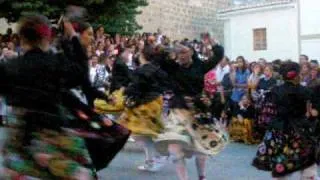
(183, 18)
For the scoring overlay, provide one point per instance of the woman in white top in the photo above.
(93, 66)
(254, 78)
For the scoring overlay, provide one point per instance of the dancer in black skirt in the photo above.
(289, 143)
(43, 141)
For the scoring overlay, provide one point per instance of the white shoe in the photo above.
(152, 166)
(131, 139)
(111, 117)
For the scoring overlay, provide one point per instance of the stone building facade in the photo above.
(180, 19)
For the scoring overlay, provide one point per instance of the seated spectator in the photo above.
(241, 127)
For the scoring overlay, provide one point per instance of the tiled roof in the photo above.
(255, 5)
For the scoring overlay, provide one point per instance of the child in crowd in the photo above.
(242, 121)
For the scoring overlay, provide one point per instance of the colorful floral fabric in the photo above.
(210, 85)
(49, 154)
(284, 152)
(185, 128)
(266, 113)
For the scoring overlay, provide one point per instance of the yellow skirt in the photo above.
(145, 119)
(102, 107)
(242, 131)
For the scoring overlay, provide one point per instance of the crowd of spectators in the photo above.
(241, 81)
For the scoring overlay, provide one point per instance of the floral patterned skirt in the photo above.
(284, 152)
(266, 114)
(183, 128)
(51, 155)
(242, 130)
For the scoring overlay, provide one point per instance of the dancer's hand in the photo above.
(240, 118)
(107, 122)
(206, 101)
(188, 99)
(82, 115)
(111, 100)
(314, 113)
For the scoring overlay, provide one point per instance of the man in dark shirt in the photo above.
(187, 73)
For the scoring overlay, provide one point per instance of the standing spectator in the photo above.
(314, 81)
(254, 78)
(305, 74)
(276, 64)
(107, 43)
(127, 58)
(111, 50)
(262, 62)
(227, 82)
(100, 50)
(100, 34)
(222, 69)
(314, 64)
(241, 80)
(103, 72)
(90, 51)
(93, 67)
(303, 59)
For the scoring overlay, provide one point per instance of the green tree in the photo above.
(117, 16)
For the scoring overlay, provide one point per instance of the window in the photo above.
(260, 39)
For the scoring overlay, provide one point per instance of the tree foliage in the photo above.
(116, 15)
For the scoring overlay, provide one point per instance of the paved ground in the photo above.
(232, 164)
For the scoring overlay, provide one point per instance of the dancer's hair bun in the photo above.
(34, 28)
(289, 70)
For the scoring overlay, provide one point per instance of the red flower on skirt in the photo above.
(279, 168)
(210, 85)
